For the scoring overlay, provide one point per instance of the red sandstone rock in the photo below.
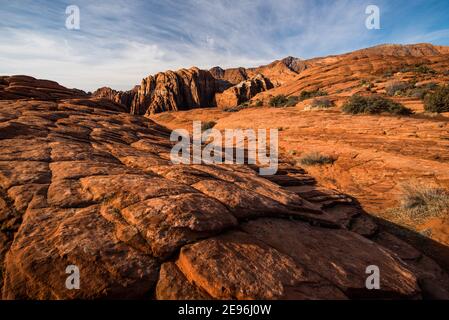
(243, 91)
(25, 87)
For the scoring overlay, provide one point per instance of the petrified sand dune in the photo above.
(343, 74)
(96, 189)
(243, 91)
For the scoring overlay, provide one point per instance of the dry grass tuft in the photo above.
(421, 203)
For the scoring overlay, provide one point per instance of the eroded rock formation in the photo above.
(171, 91)
(192, 88)
(233, 75)
(125, 98)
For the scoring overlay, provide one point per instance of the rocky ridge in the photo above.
(25, 87)
(192, 88)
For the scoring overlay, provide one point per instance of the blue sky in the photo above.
(122, 41)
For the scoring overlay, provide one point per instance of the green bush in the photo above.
(292, 101)
(419, 68)
(437, 101)
(234, 109)
(424, 69)
(358, 104)
(320, 103)
(397, 87)
(388, 74)
(242, 106)
(417, 93)
(283, 101)
(409, 89)
(304, 95)
(316, 159)
(278, 101)
(366, 84)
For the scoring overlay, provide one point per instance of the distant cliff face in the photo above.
(397, 50)
(125, 98)
(167, 91)
(174, 90)
(193, 88)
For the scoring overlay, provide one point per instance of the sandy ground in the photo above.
(375, 155)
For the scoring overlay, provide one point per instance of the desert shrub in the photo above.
(409, 89)
(258, 103)
(304, 95)
(242, 106)
(417, 93)
(429, 86)
(316, 159)
(358, 104)
(208, 125)
(292, 101)
(420, 203)
(366, 84)
(234, 109)
(397, 87)
(420, 92)
(388, 74)
(283, 101)
(320, 103)
(278, 101)
(437, 101)
(419, 68)
(424, 69)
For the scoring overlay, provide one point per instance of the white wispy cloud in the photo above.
(122, 41)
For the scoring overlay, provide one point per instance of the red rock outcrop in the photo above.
(125, 98)
(243, 91)
(232, 75)
(278, 72)
(25, 87)
(96, 189)
(170, 91)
